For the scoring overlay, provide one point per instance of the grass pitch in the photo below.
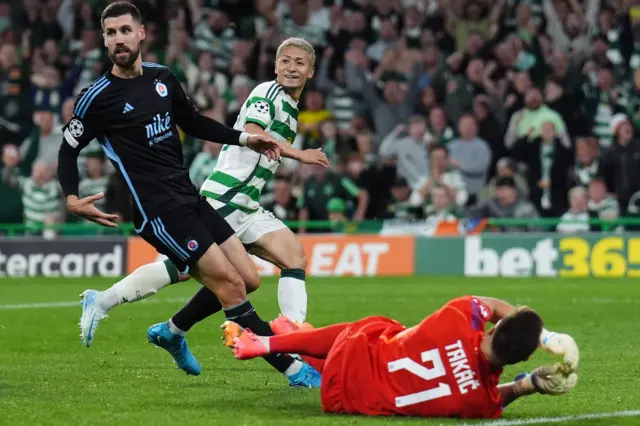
(48, 378)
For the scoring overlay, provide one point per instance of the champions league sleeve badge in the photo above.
(76, 128)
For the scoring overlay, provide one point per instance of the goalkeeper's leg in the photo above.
(315, 343)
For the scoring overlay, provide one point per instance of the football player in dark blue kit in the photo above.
(133, 110)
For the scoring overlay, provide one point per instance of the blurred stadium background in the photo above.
(429, 110)
(467, 138)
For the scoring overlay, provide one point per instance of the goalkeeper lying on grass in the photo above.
(446, 366)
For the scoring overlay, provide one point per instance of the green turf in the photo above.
(48, 377)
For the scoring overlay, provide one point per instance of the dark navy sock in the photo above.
(246, 316)
(202, 305)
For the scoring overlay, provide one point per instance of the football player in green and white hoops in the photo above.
(233, 189)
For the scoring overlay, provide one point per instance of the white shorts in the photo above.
(250, 227)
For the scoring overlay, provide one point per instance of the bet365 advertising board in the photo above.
(541, 255)
(484, 255)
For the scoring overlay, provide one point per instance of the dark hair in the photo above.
(585, 135)
(439, 186)
(400, 182)
(284, 178)
(516, 337)
(608, 9)
(601, 37)
(120, 8)
(505, 181)
(438, 147)
(468, 115)
(607, 66)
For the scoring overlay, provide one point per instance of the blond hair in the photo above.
(299, 43)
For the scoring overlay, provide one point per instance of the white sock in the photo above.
(175, 330)
(266, 341)
(292, 294)
(294, 368)
(143, 282)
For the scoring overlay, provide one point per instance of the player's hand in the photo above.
(314, 156)
(563, 345)
(264, 145)
(554, 379)
(85, 208)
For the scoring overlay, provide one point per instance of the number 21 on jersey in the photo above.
(428, 374)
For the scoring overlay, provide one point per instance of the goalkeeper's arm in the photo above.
(561, 344)
(499, 308)
(555, 343)
(554, 379)
(522, 386)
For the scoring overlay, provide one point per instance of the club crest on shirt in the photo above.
(192, 245)
(161, 89)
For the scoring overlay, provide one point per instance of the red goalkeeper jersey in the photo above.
(435, 369)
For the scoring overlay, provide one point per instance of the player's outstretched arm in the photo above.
(201, 127)
(307, 156)
(189, 119)
(197, 125)
(553, 379)
(69, 178)
(87, 124)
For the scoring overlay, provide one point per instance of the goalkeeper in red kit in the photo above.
(446, 366)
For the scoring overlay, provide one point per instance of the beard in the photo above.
(124, 61)
(533, 105)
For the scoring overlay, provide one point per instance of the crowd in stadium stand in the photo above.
(427, 109)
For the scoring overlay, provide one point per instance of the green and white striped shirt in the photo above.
(614, 53)
(201, 167)
(220, 45)
(602, 121)
(537, 12)
(91, 150)
(572, 223)
(314, 35)
(607, 208)
(241, 173)
(342, 105)
(447, 135)
(89, 186)
(39, 201)
(634, 61)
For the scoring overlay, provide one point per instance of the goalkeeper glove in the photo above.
(561, 344)
(552, 379)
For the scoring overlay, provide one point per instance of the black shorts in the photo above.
(185, 233)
